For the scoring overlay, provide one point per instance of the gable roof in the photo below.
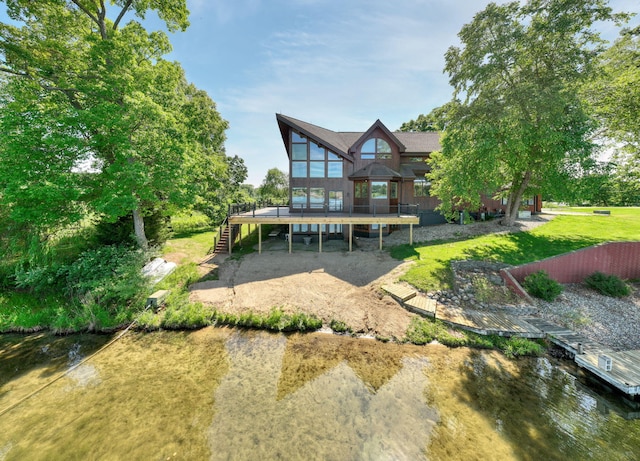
(367, 134)
(342, 143)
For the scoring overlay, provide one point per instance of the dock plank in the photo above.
(488, 323)
(625, 369)
(421, 305)
(400, 292)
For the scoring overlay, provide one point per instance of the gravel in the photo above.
(613, 322)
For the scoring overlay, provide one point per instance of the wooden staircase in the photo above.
(222, 243)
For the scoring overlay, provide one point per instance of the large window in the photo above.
(316, 197)
(335, 200)
(299, 197)
(311, 160)
(379, 189)
(421, 188)
(375, 148)
(299, 156)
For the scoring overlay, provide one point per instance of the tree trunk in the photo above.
(515, 199)
(138, 227)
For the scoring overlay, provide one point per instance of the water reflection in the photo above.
(326, 410)
(226, 394)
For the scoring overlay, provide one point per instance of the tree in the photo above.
(436, 120)
(615, 99)
(521, 127)
(274, 187)
(82, 88)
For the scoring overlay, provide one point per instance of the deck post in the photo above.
(350, 237)
(380, 234)
(230, 234)
(259, 238)
(319, 238)
(290, 237)
(411, 234)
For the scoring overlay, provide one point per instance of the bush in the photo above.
(540, 285)
(275, 320)
(339, 326)
(609, 285)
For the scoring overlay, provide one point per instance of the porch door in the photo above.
(361, 196)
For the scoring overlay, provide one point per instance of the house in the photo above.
(361, 173)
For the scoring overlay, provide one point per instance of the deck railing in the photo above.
(326, 209)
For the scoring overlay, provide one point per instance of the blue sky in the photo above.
(337, 64)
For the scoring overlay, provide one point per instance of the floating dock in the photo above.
(620, 369)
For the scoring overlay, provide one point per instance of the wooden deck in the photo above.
(488, 323)
(624, 373)
(590, 355)
(422, 305)
(399, 292)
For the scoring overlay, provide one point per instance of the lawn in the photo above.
(564, 233)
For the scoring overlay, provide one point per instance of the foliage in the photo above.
(615, 98)
(275, 187)
(90, 104)
(520, 127)
(436, 120)
(192, 222)
(181, 314)
(339, 326)
(108, 276)
(276, 320)
(423, 331)
(610, 285)
(540, 285)
(432, 270)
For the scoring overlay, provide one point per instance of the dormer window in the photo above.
(375, 148)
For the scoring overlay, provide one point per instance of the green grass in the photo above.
(423, 331)
(432, 270)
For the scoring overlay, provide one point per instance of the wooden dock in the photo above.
(623, 371)
(619, 369)
(488, 323)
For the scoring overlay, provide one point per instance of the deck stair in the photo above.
(421, 305)
(400, 292)
(222, 244)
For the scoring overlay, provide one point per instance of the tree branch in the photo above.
(8, 70)
(124, 10)
(86, 11)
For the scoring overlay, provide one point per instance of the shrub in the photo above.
(109, 276)
(339, 326)
(540, 285)
(275, 320)
(609, 285)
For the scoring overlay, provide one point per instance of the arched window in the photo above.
(375, 148)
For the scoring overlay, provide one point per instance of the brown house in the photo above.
(373, 172)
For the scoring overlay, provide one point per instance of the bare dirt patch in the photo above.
(332, 285)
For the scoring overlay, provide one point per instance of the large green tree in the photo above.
(615, 99)
(436, 120)
(275, 187)
(520, 127)
(93, 120)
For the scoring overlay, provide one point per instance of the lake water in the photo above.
(225, 394)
